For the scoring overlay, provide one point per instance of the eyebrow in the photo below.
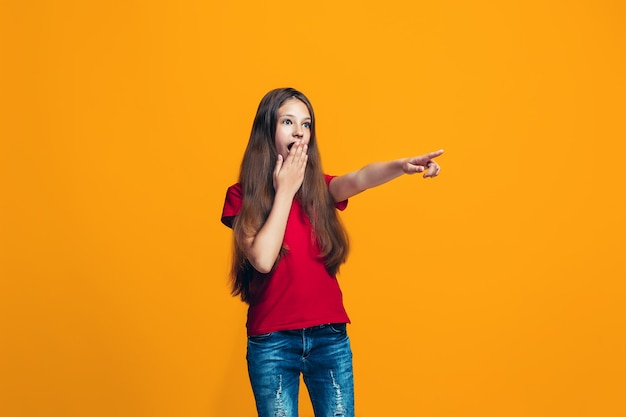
(291, 115)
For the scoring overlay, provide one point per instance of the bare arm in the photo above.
(263, 248)
(377, 173)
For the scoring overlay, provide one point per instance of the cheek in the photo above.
(279, 144)
(277, 136)
(281, 133)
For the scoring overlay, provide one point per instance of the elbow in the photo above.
(264, 266)
(262, 256)
(264, 269)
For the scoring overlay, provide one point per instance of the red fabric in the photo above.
(299, 293)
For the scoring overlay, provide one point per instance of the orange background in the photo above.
(496, 289)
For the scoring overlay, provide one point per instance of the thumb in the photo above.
(279, 164)
(415, 166)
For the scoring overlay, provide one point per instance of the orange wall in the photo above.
(495, 290)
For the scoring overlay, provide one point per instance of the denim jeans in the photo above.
(322, 354)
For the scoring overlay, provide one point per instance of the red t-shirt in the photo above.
(300, 292)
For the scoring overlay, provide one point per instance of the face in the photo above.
(294, 123)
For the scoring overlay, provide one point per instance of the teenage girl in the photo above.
(288, 246)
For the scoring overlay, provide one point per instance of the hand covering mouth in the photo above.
(290, 145)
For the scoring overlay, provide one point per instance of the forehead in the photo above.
(294, 107)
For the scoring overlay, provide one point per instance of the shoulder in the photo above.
(234, 190)
(340, 205)
(232, 204)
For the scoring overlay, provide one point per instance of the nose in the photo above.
(297, 131)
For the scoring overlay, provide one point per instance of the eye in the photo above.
(306, 125)
(286, 122)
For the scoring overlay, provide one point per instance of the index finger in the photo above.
(434, 154)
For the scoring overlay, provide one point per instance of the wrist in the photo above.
(402, 163)
(283, 195)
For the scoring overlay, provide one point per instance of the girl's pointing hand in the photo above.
(423, 163)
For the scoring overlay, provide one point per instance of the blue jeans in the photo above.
(322, 354)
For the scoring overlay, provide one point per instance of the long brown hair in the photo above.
(256, 180)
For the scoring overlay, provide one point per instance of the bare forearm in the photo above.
(371, 175)
(264, 247)
(378, 173)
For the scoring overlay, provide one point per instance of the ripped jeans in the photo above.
(321, 353)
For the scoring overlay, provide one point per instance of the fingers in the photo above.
(426, 158)
(433, 154)
(289, 171)
(433, 169)
(277, 167)
(413, 169)
(297, 154)
(279, 164)
(426, 163)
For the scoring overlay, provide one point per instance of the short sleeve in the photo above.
(232, 204)
(341, 205)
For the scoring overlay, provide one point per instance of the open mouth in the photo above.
(290, 145)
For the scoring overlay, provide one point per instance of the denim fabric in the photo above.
(322, 354)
